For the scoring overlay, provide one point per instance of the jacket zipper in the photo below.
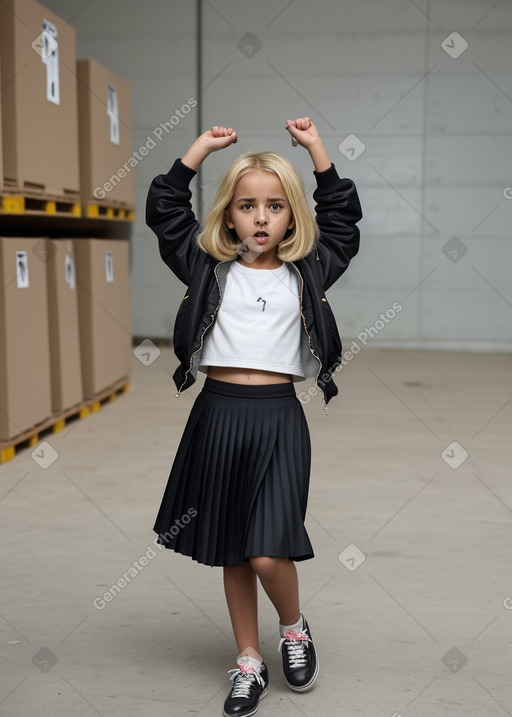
(309, 340)
(205, 330)
(213, 319)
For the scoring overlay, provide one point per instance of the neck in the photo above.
(265, 260)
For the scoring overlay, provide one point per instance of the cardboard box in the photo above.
(39, 101)
(65, 358)
(25, 396)
(106, 138)
(103, 281)
(1, 143)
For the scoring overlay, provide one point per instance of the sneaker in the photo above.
(249, 686)
(300, 661)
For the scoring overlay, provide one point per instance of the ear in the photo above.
(291, 225)
(228, 220)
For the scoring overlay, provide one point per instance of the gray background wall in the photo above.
(436, 129)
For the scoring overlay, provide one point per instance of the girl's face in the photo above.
(259, 210)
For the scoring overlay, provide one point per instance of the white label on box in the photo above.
(69, 269)
(109, 267)
(113, 113)
(22, 269)
(50, 57)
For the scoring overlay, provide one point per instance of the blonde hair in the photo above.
(222, 243)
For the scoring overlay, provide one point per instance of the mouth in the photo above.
(261, 237)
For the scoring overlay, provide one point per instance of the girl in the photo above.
(255, 319)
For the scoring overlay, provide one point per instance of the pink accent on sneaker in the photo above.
(245, 667)
(292, 635)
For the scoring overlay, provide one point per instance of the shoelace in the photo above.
(243, 680)
(295, 643)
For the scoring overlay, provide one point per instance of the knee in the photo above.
(264, 565)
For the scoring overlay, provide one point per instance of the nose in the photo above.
(261, 216)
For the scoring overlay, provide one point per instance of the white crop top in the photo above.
(258, 323)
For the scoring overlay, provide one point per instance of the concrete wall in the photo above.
(434, 177)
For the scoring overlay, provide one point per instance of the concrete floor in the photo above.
(422, 626)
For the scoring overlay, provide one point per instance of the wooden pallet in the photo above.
(31, 205)
(104, 211)
(58, 422)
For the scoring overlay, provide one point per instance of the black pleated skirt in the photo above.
(239, 483)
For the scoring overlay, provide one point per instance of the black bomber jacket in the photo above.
(169, 214)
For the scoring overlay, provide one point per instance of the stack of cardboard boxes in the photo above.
(66, 131)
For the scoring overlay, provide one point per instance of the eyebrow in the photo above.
(253, 199)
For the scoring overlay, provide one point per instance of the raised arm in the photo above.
(168, 209)
(306, 134)
(337, 205)
(210, 141)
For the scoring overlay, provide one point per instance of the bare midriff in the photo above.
(231, 374)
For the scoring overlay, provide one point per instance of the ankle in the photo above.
(296, 626)
(250, 652)
(290, 618)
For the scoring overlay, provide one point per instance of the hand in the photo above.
(210, 141)
(218, 138)
(303, 131)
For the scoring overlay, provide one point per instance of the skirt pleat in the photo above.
(239, 483)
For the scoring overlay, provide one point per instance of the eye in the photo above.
(246, 207)
(276, 207)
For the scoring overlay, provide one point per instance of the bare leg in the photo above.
(242, 599)
(280, 581)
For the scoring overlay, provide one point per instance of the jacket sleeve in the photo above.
(169, 214)
(337, 211)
